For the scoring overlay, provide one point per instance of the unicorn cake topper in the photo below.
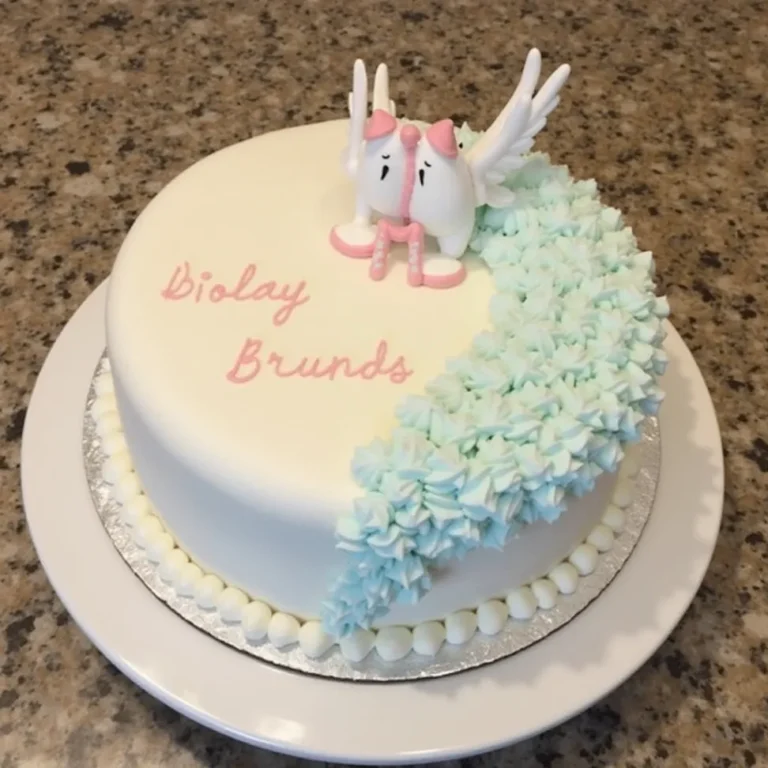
(414, 181)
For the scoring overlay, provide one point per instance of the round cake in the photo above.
(338, 442)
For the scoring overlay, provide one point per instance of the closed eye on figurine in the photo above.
(384, 172)
(385, 157)
(429, 165)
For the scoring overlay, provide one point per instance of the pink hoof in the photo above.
(363, 251)
(446, 281)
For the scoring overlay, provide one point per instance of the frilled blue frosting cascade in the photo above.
(536, 409)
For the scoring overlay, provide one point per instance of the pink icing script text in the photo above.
(184, 286)
(251, 361)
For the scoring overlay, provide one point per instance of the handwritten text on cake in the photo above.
(184, 285)
(250, 361)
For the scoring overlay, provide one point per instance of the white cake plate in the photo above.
(414, 722)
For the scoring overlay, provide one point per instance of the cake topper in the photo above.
(414, 180)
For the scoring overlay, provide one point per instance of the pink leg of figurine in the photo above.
(415, 254)
(380, 250)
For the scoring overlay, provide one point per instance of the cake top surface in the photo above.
(260, 354)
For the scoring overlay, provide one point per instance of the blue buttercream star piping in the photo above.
(538, 408)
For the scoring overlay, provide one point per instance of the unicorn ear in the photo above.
(379, 124)
(442, 138)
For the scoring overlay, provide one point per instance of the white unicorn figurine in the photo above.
(414, 180)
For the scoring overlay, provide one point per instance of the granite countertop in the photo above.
(103, 104)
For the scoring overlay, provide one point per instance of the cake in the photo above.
(342, 442)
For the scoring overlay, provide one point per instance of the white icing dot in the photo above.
(103, 384)
(394, 643)
(545, 592)
(622, 493)
(171, 565)
(255, 620)
(135, 510)
(565, 577)
(313, 640)
(460, 626)
(148, 526)
(231, 603)
(283, 630)
(104, 404)
(357, 645)
(116, 466)
(127, 487)
(428, 638)
(584, 559)
(158, 545)
(491, 617)
(108, 424)
(601, 537)
(114, 443)
(613, 517)
(630, 466)
(522, 603)
(189, 576)
(208, 590)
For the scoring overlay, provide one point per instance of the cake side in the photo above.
(264, 623)
(290, 569)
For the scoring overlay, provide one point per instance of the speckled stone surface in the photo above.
(102, 104)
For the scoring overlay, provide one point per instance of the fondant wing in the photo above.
(501, 148)
(357, 103)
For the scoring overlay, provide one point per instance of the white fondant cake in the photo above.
(251, 476)
(251, 362)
